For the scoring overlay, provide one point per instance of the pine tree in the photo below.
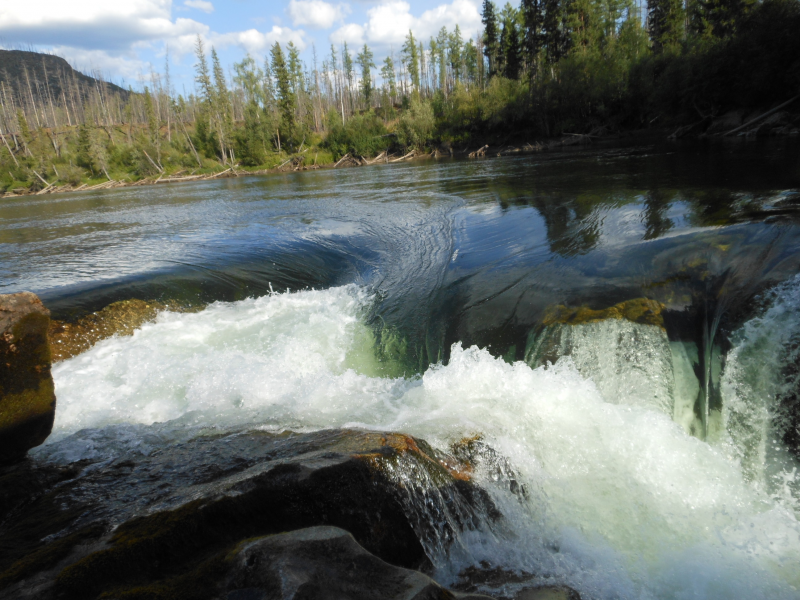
(491, 39)
(365, 61)
(665, 23)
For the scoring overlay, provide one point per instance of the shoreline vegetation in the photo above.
(549, 74)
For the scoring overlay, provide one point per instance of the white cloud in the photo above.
(351, 33)
(316, 13)
(206, 7)
(389, 23)
(257, 42)
(95, 24)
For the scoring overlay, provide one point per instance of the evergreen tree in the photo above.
(410, 53)
(471, 61)
(554, 31)
(365, 61)
(513, 55)
(221, 107)
(665, 21)
(347, 67)
(83, 157)
(719, 18)
(286, 99)
(388, 76)
(441, 43)
(202, 74)
(532, 19)
(455, 49)
(295, 68)
(491, 38)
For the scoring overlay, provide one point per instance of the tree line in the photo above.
(547, 67)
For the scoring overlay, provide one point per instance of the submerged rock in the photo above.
(168, 523)
(27, 396)
(324, 563)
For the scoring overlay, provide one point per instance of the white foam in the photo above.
(623, 503)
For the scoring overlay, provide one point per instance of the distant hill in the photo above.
(44, 69)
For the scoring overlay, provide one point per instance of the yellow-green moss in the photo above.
(638, 310)
(18, 408)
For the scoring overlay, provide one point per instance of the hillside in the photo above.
(17, 67)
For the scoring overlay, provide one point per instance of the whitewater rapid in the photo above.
(622, 502)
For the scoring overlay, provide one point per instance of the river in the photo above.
(658, 453)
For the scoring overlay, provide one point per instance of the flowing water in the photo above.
(657, 454)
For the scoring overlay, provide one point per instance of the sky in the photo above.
(126, 39)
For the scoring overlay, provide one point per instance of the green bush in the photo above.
(361, 135)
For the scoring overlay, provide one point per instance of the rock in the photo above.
(119, 318)
(548, 593)
(27, 396)
(180, 510)
(324, 563)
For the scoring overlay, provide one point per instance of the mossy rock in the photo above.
(27, 393)
(119, 318)
(637, 310)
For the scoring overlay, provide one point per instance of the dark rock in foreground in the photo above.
(324, 563)
(170, 524)
(27, 397)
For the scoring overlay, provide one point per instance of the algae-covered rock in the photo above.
(324, 563)
(624, 349)
(27, 396)
(637, 310)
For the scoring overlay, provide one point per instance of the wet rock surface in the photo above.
(27, 397)
(324, 563)
(166, 521)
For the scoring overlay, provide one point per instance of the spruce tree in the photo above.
(554, 31)
(410, 53)
(365, 61)
(286, 99)
(388, 76)
(532, 19)
(455, 52)
(665, 22)
(491, 37)
(513, 55)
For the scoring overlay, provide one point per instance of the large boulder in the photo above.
(27, 396)
(324, 563)
(170, 520)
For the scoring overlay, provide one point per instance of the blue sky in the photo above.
(126, 38)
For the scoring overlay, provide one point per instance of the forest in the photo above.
(545, 69)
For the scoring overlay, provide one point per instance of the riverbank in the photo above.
(736, 124)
